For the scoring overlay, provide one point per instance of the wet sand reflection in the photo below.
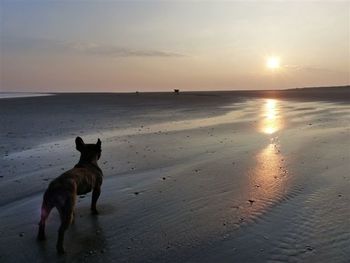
(271, 121)
(269, 168)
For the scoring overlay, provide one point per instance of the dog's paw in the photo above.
(60, 250)
(41, 237)
(94, 211)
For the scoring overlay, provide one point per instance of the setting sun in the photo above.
(273, 63)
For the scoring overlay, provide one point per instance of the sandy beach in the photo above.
(245, 176)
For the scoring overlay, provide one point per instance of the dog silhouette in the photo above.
(86, 176)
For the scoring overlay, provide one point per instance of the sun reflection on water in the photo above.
(268, 174)
(269, 170)
(271, 121)
(267, 167)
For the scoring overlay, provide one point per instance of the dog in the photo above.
(86, 176)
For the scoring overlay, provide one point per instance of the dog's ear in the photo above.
(79, 143)
(98, 142)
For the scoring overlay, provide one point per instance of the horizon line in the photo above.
(182, 91)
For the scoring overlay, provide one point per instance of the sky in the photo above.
(120, 46)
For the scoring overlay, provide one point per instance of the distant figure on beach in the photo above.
(176, 91)
(86, 176)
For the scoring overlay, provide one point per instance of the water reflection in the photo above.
(269, 169)
(268, 180)
(271, 121)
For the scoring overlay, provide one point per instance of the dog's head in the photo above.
(89, 152)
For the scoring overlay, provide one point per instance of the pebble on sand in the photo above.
(251, 201)
(309, 248)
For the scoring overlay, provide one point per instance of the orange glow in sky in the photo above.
(164, 45)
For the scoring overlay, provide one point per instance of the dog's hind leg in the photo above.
(66, 214)
(95, 195)
(45, 211)
(73, 217)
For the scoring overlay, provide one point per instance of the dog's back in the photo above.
(79, 180)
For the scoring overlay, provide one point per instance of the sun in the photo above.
(273, 63)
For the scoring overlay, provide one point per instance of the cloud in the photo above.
(311, 69)
(292, 67)
(114, 51)
(16, 44)
(319, 70)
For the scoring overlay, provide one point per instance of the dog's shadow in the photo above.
(85, 239)
(86, 236)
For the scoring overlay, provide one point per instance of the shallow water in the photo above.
(9, 95)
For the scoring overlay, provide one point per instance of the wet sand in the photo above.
(194, 177)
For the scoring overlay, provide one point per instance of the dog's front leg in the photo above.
(95, 195)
